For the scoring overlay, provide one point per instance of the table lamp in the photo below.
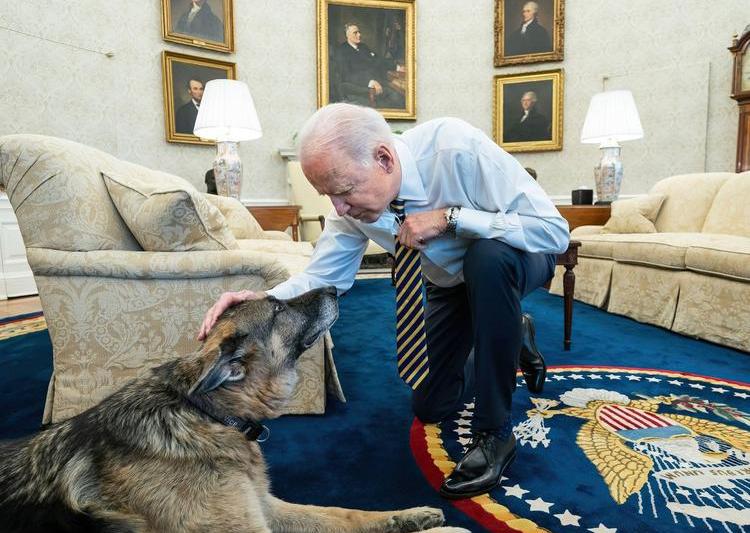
(227, 115)
(612, 117)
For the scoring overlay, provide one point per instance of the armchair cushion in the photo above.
(635, 215)
(167, 214)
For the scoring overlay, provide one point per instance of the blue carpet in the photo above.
(359, 454)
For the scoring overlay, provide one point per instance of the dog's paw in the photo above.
(415, 519)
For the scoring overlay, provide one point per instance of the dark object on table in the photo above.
(210, 182)
(582, 196)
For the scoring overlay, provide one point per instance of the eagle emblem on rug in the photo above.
(607, 449)
(629, 441)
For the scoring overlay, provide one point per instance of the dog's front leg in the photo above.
(286, 517)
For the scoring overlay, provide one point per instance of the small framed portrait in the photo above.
(185, 77)
(528, 31)
(366, 55)
(527, 111)
(203, 23)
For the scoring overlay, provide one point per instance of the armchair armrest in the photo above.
(320, 218)
(141, 265)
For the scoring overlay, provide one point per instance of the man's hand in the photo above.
(418, 228)
(225, 301)
(376, 85)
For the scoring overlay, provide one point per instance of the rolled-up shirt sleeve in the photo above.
(335, 260)
(508, 204)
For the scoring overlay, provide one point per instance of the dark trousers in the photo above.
(484, 312)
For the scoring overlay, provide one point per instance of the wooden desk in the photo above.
(277, 217)
(584, 215)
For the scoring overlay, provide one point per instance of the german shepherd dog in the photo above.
(176, 450)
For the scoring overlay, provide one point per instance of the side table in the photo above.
(277, 217)
(584, 215)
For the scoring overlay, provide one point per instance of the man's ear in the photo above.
(385, 158)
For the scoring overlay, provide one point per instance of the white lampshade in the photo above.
(612, 115)
(227, 113)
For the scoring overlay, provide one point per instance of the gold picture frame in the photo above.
(527, 111)
(387, 30)
(519, 40)
(181, 74)
(210, 27)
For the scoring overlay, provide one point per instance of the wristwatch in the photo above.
(451, 219)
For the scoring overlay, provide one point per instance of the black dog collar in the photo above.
(250, 428)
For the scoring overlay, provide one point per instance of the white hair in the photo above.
(533, 6)
(353, 129)
(531, 94)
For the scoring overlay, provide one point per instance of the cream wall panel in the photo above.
(116, 103)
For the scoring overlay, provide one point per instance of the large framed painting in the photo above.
(184, 80)
(203, 23)
(528, 111)
(529, 32)
(366, 55)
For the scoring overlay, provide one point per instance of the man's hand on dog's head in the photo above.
(225, 301)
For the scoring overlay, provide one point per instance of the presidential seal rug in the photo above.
(609, 448)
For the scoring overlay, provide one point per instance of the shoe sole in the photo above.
(464, 495)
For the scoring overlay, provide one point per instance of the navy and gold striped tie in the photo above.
(411, 339)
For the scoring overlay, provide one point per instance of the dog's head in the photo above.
(247, 362)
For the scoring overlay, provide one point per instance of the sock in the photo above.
(503, 432)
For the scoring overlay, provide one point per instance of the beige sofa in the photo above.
(127, 260)
(691, 276)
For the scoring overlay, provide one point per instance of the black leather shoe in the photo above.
(481, 467)
(531, 361)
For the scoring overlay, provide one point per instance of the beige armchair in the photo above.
(124, 286)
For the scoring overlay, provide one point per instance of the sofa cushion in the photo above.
(166, 213)
(689, 197)
(726, 255)
(666, 250)
(241, 223)
(634, 215)
(598, 245)
(276, 246)
(729, 213)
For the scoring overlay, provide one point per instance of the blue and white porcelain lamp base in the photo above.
(608, 173)
(228, 169)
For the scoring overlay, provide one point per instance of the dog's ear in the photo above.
(224, 365)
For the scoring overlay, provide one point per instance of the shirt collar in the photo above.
(412, 188)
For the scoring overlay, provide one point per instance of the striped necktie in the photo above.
(411, 339)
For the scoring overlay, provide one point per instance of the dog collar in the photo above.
(250, 428)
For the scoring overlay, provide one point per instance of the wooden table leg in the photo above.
(569, 283)
(295, 231)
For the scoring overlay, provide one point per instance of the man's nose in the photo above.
(340, 206)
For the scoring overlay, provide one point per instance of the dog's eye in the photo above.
(278, 308)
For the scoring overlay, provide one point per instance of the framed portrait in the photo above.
(527, 111)
(203, 23)
(528, 31)
(184, 80)
(366, 55)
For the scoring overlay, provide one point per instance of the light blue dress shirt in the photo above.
(444, 162)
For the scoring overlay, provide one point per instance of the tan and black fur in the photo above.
(149, 459)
